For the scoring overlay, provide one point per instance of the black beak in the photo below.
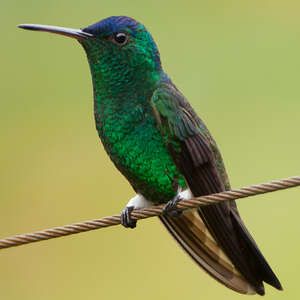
(73, 33)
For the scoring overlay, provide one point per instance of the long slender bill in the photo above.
(73, 33)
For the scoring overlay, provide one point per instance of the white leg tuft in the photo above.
(186, 194)
(139, 201)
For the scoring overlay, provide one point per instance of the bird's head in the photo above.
(118, 49)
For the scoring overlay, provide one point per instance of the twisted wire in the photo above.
(244, 192)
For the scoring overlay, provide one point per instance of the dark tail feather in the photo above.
(265, 270)
(193, 236)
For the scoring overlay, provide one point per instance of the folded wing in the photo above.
(214, 236)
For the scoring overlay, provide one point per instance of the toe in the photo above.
(126, 219)
(171, 207)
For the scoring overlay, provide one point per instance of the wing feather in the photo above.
(225, 249)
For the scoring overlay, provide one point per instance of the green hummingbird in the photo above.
(158, 142)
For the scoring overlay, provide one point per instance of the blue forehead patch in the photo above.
(113, 25)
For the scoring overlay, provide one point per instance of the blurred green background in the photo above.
(238, 64)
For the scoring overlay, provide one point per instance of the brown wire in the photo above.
(47, 234)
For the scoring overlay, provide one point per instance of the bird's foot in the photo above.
(126, 219)
(171, 209)
(137, 202)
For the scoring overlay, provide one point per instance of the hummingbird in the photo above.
(159, 143)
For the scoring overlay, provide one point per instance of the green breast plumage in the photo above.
(130, 136)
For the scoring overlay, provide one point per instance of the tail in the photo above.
(193, 236)
(262, 267)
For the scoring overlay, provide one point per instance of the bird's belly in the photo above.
(139, 153)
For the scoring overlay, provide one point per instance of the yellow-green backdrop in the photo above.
(237, 62)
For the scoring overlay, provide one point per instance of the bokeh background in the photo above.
(238, 64)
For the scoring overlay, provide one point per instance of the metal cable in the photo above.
(47, 234)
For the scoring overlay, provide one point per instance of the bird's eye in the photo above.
(120, 38)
